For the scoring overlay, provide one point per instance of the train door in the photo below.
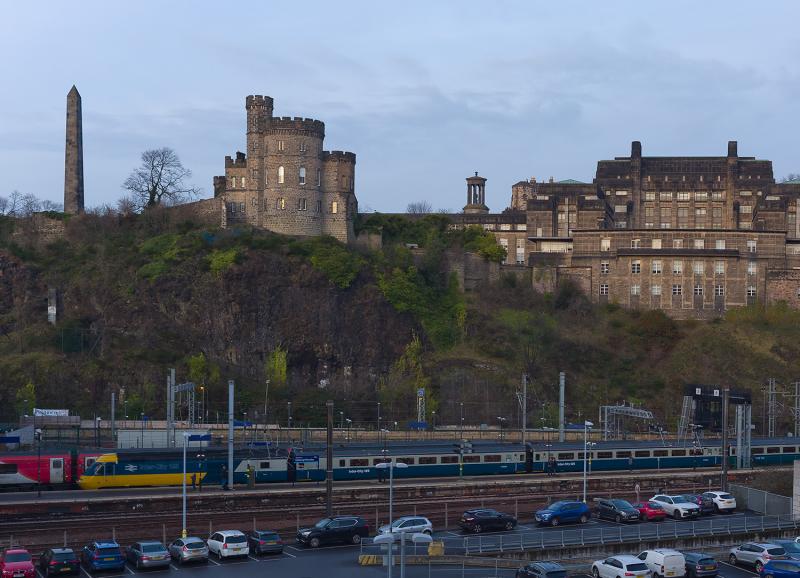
(56, 470)
(528, 458)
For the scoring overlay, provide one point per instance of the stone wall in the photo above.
(207, 212)
(784, 285)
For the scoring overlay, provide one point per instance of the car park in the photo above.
(56, 561)
(148, 554)
(756, 554)
(190, 549)
(541, 570)
(486, 519)
(16, 563)
(103, 555)
(650, 511)
(664, 562)
(700, 565)
(617, 510)
(228, 543)
(792, 548)
(723, 501)
(677, 506)
(408, 525)
(620, 566)
(563, 512)
(349, 529)
(780, 569)
(705, 503)
(264, 542)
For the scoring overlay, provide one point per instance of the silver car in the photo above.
(756, 554)
(408, 525)
(189, 550)
(148, 555)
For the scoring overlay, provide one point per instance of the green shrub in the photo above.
(220, 261)
(152, 270)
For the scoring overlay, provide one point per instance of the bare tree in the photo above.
(791, 177)
(48, 205)
(13, 204)
(29, 205)
(419, 208)
(126, 205)
(3, 205)
(159, 180)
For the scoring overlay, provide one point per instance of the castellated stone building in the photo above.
(286, 182)
(693, 236)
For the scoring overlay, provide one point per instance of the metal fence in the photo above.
(760, 501)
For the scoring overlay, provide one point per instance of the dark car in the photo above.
(349, 529)
(542, 570)
(706, 504)
(59, 561)
(780, 569)
(103, 556)
(264, 542)
(700, 565)
(617, 510)
(563, 511)
(479, 520)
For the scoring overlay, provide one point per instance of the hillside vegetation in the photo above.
(319, 320)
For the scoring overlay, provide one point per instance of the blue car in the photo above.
(103, 556)
(780, 569)
(563, 512)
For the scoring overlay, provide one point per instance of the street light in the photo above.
(433, 420)
(462, 420)
(341, 421)
(502, 422)
(38, 434)
(183, 517)
(349, 421)
(379, 415)
(97, 431)
(586, 426)
(289, 413)
(391, 465)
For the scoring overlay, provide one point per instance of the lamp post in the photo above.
(97, 431)
(349, 421)
(141, 420)
(391, 465)
(379, 416)
(462, 420)
(433, 420)
(586, 426)
(289, 413)
(501, 421)
(341, 421)
(183, 517)
(38, 434)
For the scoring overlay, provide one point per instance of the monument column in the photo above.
(73, 163)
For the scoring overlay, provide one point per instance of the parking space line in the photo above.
(171, 565)
(254, 559)
(39, 574)
(739, 568)
(85, 571)
(287, 553)
(295, 549)
(214, 562)
(129, 570)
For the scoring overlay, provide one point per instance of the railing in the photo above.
(760, 501)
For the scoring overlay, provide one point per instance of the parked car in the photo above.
(756, 554)
(408, 525)
(780, 569)
(723, 501)
(331, 530)
(16, 563)
(479, 520)
(664, 562)
(706, 504)
(542, 570)
(149, 554)
(227, 543)
(59, 561)
(103, 555)
(650, 511)
(792, 548)
(677, 506)
(189, 550)
(620, 566)
(617, 510)
(700, 565)
(264, 542)
(562, 512)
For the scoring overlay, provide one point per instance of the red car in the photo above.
(650, 511)
(16, 563)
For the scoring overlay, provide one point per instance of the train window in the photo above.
(757, 451)
(678, 452)
(604, 455)
(471, 459)
(623, 454)
(660, 453)
(491, 458)
(566, 456)
(342, 463)
(57, 464)
(789, 449)
(376, 461)
(8, 468)
(409, 461)
(537, 457)
(88, 462)
(580, 455)
(427, 460)
(263, 466)
(773, 450)
(642, 453)
(449, 459)
(358, 463)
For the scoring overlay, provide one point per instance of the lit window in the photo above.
(745, 209)
(665, 225)
(302, 175)
(648, 225)
(604, 267)
(539, 233)
(233, 182)
(752, 268)
(334, 207)
(656, 267)
(656, 243)
(751, 246)
(719, 290)
(718, 196)
(677, 243)
(636, 289)
(699, 267)
(699, 244)
(720, 244)
(684, 196)
(605, 244)
(636, 243)
(698, 289)
(636, 267)
(655, 289)
(280, 175)
(751, 291)
(719, 267)
(677, 267)
(700, 212)
(281, 146)
(280, 203)
(665, 196)
(701, 196)
(677, 289)
(243, 185)
(604, 289)
(650, 196)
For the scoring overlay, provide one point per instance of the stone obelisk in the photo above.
(73, 164)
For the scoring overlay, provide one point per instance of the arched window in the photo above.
(302, 175)
(280, 175)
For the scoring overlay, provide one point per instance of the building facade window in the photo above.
(752, 268)
(719, 244)
(301, 205)
(319, 178)
(603, 288)
(677, 289)
(677, 243)
(655, 289)
(699, 267)
(334, 207)
(701, 196)
(636, 267)
(698, 289)
(280, 175)
(319, 206)
(303, 147)
(604, 267)
(699, 244)
(281, 146)
(719, 267)
(751, 246)
(656, 243)
(636, 243)
(302, 176)
(636, 289)
(719, 290)
(665, 196)
(243, 181)
(684, 196)
(605, 244)
(677, 267)
(650, 196)
(656, 267)
(280, 203)
(751, 291)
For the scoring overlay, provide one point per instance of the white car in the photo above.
(664, 562)
(723, 501)
(408, 524)
(677, 506)
(227, 543)
(621, 566)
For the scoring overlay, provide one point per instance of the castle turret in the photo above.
(476, 195)
(339, 204)
(73, 162)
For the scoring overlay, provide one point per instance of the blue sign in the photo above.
(238, 423)
(9, 439)
(418, 425)
(306, 459)
(258, 444)
(200, 438)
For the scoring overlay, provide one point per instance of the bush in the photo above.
(220, 260)
(332, 258)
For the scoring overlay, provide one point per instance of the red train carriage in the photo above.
(61, 468)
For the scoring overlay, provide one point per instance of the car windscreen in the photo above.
(655, 506)
(776, 552)
(322, 523)
(556, 505)
(152, 548)
(268, 536)
(726, 497)
(18, 557)
(687, 498)
(195, 545)
(108, 552)
(622, 504)
(235, 539)
(637, 567)
(707, 562)
(63, 556)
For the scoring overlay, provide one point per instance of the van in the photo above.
(664, 563)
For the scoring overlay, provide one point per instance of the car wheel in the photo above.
(676, 514)
(477, 529)
(314, 542)
(509, 525)
(732, 560)
(428, 532)
(618, 519)
(768, 576)
(554, 522)
(759, 566)
(356, 539)
(584, 518)
(595, 573)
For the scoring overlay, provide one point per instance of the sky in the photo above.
(425, 93)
